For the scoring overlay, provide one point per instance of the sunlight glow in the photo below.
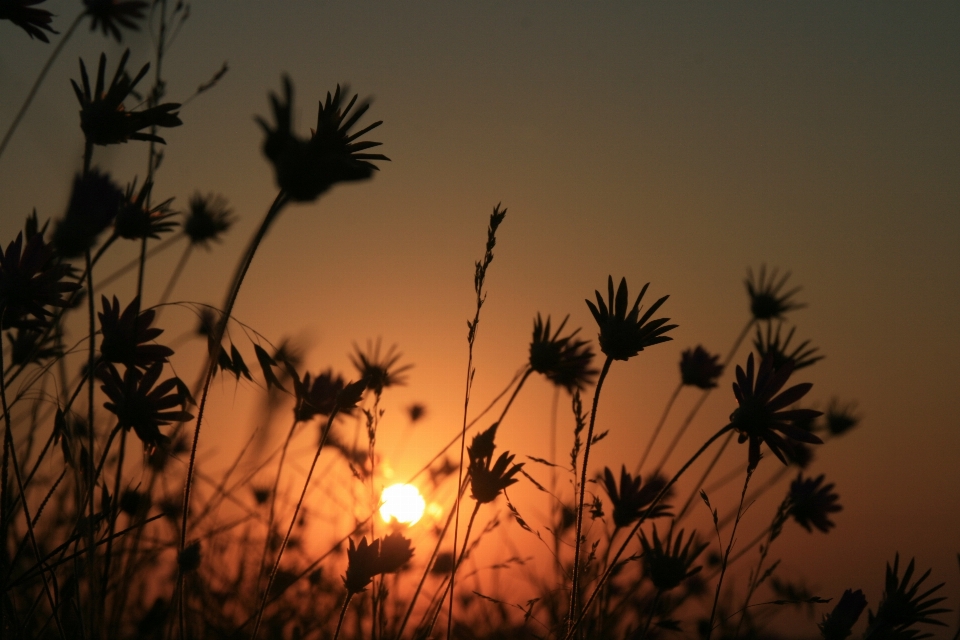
(403, 503)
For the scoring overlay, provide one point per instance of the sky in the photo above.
(674, 143)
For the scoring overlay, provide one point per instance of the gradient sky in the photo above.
(673, 143)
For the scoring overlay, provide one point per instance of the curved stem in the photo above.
(114, 513)
(726, 556)
(273, 499)
(456, 565)
(39, 81)
(175, 276)
(703, 478)
(583, 488)
(656, 431)
(653, 610)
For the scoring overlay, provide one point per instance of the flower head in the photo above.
(363, 564)
(379, 373)
(32, 345)
(486, 483)
(307, 168)
(769, 343)
(901, 607)
(128, 336)
(318, 396)
(22, 14)
(140, 405)
(760, 415)
(812, 502)
(30, 281)
(135, 221)
(630, 500)
(395, 551)
(668, 563)
(625, 334)
(565, 361)
(94, 203)
(766, 297)
(208, 219)
(106, 14)
(699, 369)
(839, 623)
(104, 119)
(841, 417)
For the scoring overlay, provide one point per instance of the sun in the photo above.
(403, 503)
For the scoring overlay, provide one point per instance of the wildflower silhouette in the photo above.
(812, 502)
(841, 418)
(624, 334)
(395, 551)
(379, 373)
(363, 563)
(94, 203)
(307, 168)
(31, 281)
(901, 606)
(669, 562)
(699, 369)
(135, 221)
(767, 298)
(760, 415)
(207, 219)
(128, 336)
(838, 624)
(487, 482)
(31, 345)
(103, 118)
(107, 14)
(318, 395)
(565, 361)
(33, 21)
(140, 405)
(769, 342)
(630, 500)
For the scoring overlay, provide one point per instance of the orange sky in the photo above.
(674, 144)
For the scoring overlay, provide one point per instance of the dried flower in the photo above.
(379, 373)
(22, 14)
(363, 564)
(769, 343)
(564, 361)
(699, 369)
(127, 336)
(760, 415)
(104, 119)
(416, 412)
(106, 13)
(622, 334)
(812, 504)
(395, 551)
(94, 203)
(668, 563)
(135, 221)
(838, 624)
(307, 168)
(901, 607)
(487, 483)
(141, 406)
(630, 500)
(208, 219)
(766, 299)
(30, 282)
(318, 396)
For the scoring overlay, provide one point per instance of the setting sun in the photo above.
(403, 503)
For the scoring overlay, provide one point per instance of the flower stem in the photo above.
(343, 612)
(656, 431)
(456, 565)
(726, 556)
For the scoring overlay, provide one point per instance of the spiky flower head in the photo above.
(207, 220)
(902, 606)
(104, 119)
(107, 14)
(318, 395)
(624, 334)
(307, 168)
(135, 220)
(363, 563)
(841, 418)
(94, 203)
(670, 562)
(140, 405)
(379, 372)
(838, 624)
(700, 369)
(565, 361)
(812, 502)
(128, 337)
(487, 482)
(767, 298)
(761, 414)
(22, 14)
(395, 551)
(630, 501)
(31, 281)
(770, 342)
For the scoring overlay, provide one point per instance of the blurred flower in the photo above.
(141, 406)
(766, 299)
(30, 281)
(622, 334)
(801, 455)
(307, 168)
(134, 221)
(318, 396)
(104, 119)
(760, 416)
(416, 412)
(487, 483)
(189, 558)
(106, 13)
(841, 418)
(699, 369)
(94, 203)
(838, 624)
(33, 21)
(208, 219)
(666, 563)
(629, 501)
(363, 564)
(812, 504)
(564, 361)
(126, 336)
(395, 551)
(769, 343)
(901, 607)
(31, 345)
(379, 373)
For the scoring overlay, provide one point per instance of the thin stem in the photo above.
(273, 499)
(114, 512)
(343, 612)
(91, 478)
(583, 488)
(456, 565)
(39, 81)
(703, 478)
(653, 610)
(726, 555)
(656, 431)
(175, 276)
